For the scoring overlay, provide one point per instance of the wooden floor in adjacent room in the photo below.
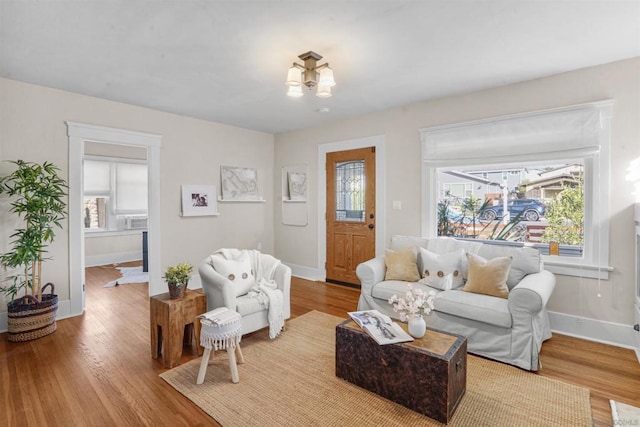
(97, 370)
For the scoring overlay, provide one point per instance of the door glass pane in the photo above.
(350, 191)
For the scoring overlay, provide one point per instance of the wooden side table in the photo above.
(170, 318)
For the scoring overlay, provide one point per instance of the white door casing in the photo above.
(78, 134)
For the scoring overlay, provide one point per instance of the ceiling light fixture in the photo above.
(311, 75)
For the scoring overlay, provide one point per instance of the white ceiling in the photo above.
(226, 61)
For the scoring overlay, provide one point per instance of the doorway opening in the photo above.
(79, 135)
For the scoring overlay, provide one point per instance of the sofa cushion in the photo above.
(401, 265)
(526, 260)
(388, 288)
(480, 308)
(488, 277)
(237, 271)
(441, 271)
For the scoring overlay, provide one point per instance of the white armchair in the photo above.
(229, 274)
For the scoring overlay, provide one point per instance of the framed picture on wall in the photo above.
(239, 184)
(297, 185)
(199, 200)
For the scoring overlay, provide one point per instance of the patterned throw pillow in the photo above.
(488, 277)
(237, 271)
(441, 271)
(401, 265)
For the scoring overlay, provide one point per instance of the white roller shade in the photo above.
(131, 188)
(572, 131)
(97, 177)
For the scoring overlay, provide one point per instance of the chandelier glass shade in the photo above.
(310, 75)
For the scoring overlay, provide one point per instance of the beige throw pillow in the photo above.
(488, 277)
(401, 265)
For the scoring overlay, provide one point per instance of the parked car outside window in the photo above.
(531, 209)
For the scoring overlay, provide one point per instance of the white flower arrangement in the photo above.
(414, 303)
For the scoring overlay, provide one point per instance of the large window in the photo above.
(538, 179)
(537, 204)
(115, 194)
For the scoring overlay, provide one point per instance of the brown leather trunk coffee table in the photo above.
(427, 375)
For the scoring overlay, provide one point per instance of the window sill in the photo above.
(114, 233)
(568, 268)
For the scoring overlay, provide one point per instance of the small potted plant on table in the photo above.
(177, 278)
(36, 193)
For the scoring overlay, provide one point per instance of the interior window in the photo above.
(115, 194)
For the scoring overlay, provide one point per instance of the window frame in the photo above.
(115, 218)
(595, 260)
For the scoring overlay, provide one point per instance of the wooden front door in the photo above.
(351, 212)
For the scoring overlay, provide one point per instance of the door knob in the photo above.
(371, 226)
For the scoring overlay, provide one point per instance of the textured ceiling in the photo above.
(226, 61)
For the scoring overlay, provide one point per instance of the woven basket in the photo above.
(29, 319)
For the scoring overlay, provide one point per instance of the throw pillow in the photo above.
(401, 265)
(237, 271)
(488, 277)
(441, 271)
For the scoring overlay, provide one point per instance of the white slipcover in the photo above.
(221, 292)
(508, 330)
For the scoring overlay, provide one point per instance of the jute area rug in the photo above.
(290, 381)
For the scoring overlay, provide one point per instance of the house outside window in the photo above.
(544, 207)
(543, 163)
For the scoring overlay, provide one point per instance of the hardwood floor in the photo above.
(97, 370)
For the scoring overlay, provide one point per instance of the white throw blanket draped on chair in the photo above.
(266, 289)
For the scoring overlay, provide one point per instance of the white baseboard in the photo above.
(116, 258)
(600, 331)
(308, 273)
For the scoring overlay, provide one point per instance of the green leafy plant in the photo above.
(470, 208)
(512, 230)
(37, 197)
(565, 215)
(178, 274)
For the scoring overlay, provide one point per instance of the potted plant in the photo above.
(177, 278)
(36, 194)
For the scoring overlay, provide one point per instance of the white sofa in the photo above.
(509, 330)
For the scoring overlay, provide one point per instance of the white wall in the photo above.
(573, 296)
(32, 128)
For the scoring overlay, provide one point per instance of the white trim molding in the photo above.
(373, 141)
(600, 331)
(78, 134)
(307, 273)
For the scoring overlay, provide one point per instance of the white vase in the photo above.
(417, 327)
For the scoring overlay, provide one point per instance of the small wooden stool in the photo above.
(170, 318)
(220, 330)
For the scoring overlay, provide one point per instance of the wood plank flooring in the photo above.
(97, 370)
